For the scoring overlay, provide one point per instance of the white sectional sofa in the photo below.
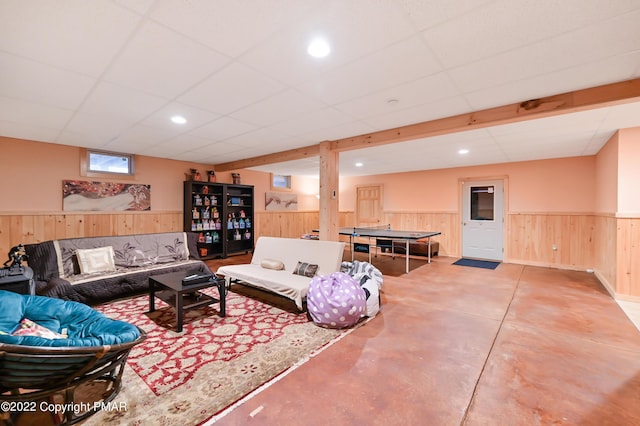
(272, 252)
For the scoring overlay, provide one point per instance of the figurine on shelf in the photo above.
(16, 257)
(236, 178)
(211, 175)
(195, 174)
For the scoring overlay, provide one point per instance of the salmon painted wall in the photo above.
(559, 185)
(628, 172)
(606, 185)
(32, 174)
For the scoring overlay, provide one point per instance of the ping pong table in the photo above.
(385, 234)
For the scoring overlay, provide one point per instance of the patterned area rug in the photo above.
(185, 378)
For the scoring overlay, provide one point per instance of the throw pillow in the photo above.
(306, 269)
(272, 264)
(99, 259)
(30, 328)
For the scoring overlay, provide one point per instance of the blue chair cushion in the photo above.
(85, 326)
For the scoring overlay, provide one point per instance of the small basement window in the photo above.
(281, 182)
(109, 162)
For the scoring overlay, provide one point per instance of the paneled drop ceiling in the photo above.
(110, 74)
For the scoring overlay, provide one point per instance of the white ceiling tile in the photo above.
(425, 14)
(567, 50)
(95, 129)
(187, 142)
(560, 124)
(139, 6)
(352, 128)
(417, 114)
(353, 29)
(176, 63)
(117, 101)
(195, 117)
(315, 121)
(258, 138)
(593, 74)
(375, 72)
(230, 27)
(418, 92)
(230, 89)
(74, 35)
(21, 112)
(285, 105)
(217, 148)
(223, 128)
(33, 81)
(621, 116)
(27, 131)
(505, 25)
(136, 139)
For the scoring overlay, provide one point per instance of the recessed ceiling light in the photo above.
(392, 102)
(463, 151)
(318, 48)
(178, 119)
(359, 164)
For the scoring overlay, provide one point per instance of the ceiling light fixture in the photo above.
(178, 119)
(463, 151)
(359, 164)
(318, 48)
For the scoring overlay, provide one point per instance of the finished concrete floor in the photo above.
(454, 345)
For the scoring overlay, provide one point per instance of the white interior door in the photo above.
(483, 219)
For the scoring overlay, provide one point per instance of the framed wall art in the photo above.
(80, 195)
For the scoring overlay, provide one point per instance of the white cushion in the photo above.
(272, 264)
(99, 259)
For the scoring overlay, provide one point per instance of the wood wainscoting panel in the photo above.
(552, 239)
(606, 252)
(286, 224)
(628, 261)
(29, 227)
(448, 223)
(293, 224)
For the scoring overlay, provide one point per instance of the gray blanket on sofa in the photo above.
(136, 257)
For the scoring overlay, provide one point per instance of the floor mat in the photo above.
(485, 264)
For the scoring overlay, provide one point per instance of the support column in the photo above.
(329, 174)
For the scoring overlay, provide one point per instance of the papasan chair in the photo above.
(52, 351)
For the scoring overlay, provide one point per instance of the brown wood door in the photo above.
(369, 210)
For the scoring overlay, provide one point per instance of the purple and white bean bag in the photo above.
(336, 300)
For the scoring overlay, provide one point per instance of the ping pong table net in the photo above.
(363, 229)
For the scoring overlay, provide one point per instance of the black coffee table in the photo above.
(169, 288)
